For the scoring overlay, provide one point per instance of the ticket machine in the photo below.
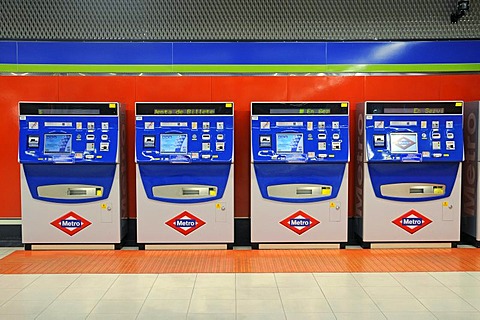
(299, 170)
(471, 182)
(409, 168)
(184, 161)
(72, 175)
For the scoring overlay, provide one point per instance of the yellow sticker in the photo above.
(99, 157)
(228, 105)
(213, 192)
(326, 191)
(344, 104)
(332, 204)
(218, 206)
(104, 206)
(445, 203)
(99, 192)
(112, 105)
(458, 104)
(446, 155)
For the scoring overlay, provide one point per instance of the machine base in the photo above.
(409, 245)
(184, 247)
(469, 239)
(276, 246)
(80, 246)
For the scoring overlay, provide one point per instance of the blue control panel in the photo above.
(414, 131)
(300, 132)
(184, 132)
(68, 132)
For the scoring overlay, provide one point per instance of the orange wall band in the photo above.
(239, 89)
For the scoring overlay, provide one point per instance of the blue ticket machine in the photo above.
(72, 175)
(408, 173)
(471, 182)
(299, 184)
(184, 161)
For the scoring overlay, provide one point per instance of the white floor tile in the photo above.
(17, 281)
(400, 305)
(457, 315)
(215, 280)
(260, 316)
(467, 292)
(388, 293)
(432, 292)
(310, 316)
(134, 281)
(161, 316)
(257, 293)
(360, 316)
(71, 306)
(336, 280)
(112, 316)
(416, 279)
(118, 306)
(33, 307)
(301, 293)
(38, 293)
(212, 306)
(157, 293)
(94, 280)
(7, 294)
(376, 280)
(255, 280)
(54, 280)
(306, 306)
(295, 280)
(226, 293)
(345, 293)
(361, 305)
(186, 280)
(123, 293)
(18, 317)
(165, 306)
(203, 316)
(447, 305)
(260, 306)
(458, 279)
(74, 293)
(410, 315)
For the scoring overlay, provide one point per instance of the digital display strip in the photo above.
(64, 108)
(184, 109)
(298, 108)
(414, 107)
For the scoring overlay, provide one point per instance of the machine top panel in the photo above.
(421, 107)
(184, 108)
(299, 108)
(68, 108)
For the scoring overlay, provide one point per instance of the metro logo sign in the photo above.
(412, 221)
(299, 222)
(71, 223)
(185, 223)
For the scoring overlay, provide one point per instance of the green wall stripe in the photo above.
(367, 68)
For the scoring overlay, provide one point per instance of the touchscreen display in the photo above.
(58, 143)
(405, 142)
(173, 143)
(289, 143)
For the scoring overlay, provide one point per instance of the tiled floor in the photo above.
(410, 295)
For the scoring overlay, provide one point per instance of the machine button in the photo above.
(91, 125)
(322, 136)
(336, 136)
(322, 145)
(89, 156)
(265, 141)
(336, 145)
(90, 137)
(450, 145)
(149, 125)
(206, 125)
(379, 124)
(104, 125)
(220, 146)
(449, 124)
(79, 125)
(104, 136)
(104, 146)
(220, 125)
(33, 141)
(437, 155)
(436, 145)
(205, 136)
(78, 155)
(322, 155)
(435, 124)
(219, 136)
(311, 154)
(265, 125)
(321, 125)
(194, 155)
(423, 124)
(379, 140)
(205, 146)
(309, 125)
(90, 146)
(194, 126)
(436, 135)
(450, 135)
(149, 141)
(33, 125)
(335, 125)
(205, 156)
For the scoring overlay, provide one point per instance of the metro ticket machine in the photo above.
(299, 170)
(471, 182)
(184, 156)
(409, 168)
(72, 175)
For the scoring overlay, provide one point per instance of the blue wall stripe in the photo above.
(249, 53)
(94, 53)
(8, 52)
(240, 53)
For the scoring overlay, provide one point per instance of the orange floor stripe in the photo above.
(384, 260)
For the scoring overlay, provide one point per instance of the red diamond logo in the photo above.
(412, 221)
(185, 223)
(299, 222)
(71, 223)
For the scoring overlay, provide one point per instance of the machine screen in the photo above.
(58, 143)
(289, 143)
(403, 142)
(414, 110)
(173, 143)
(301, 111)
